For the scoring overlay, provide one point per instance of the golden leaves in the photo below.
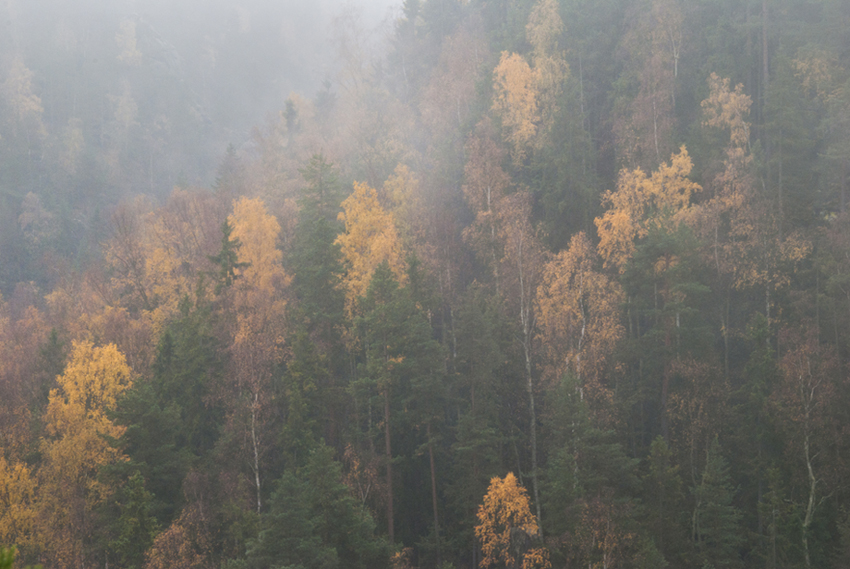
(17, 489)
(526, 97)
(370, 238)
(92, 383)
(158, 255)
(578, 314)
(258, 231)
(78, 429)
(642, 203)
(503, 517)
(258, 299)
(725, 108)
(515, 101)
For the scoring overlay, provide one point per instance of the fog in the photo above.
(188, 77)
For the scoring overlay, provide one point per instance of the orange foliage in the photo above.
(184, 545)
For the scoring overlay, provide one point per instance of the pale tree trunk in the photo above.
(255, 441)
(525, 315)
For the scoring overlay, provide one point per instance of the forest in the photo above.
(492, 284)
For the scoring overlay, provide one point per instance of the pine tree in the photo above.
(315, 523)
(716, 530)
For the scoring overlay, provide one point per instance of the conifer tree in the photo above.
(715, 523)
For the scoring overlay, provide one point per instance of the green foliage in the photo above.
(7, 558)
(136, 526)
(315, 259)
(227, 259)
(313, 522)
(586, 461)
(664, 502)
(170, 421)
(716, 521)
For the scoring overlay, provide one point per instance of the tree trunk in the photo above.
(434, 495)
(256, 445)
(389, 456)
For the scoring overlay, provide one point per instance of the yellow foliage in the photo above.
(748, 242)
(516, 102)
(725, 108)
(578, 314)
(17, 489)
(76, 447)
(258, 231)
(258, 294)
(91, 385)
(370, 238)
(504, 513)
(642, 203)
(158, 255)
(184, 545)
(550, 67)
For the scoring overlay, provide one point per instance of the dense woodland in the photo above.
(524, 283)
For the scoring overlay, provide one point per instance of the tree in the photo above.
(716, 522)
(25, 106)
(316, 258)
(589, 481)
(579, 318)
(642, 203)
(260, 321)
(17, 503)
(76, 446)
(526, 96)
(506, 527)
(401, 360)
(749, 243)
(314, 522)
(515, 102)
(370, 238)
(645, 125)
(136, 527)
(227, 259)
(485, 185)
(806, 401)
(521, 266)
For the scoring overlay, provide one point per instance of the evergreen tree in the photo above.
(227, 259)
(716, 521)
(315, 259)
(314, 523)
(136, 527)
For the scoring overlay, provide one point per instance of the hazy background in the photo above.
(104, 100)
(213, 68)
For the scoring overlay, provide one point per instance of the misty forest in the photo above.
(449, 284)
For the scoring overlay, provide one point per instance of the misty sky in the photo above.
(209, 70)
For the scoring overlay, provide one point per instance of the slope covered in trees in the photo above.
(545, 283)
